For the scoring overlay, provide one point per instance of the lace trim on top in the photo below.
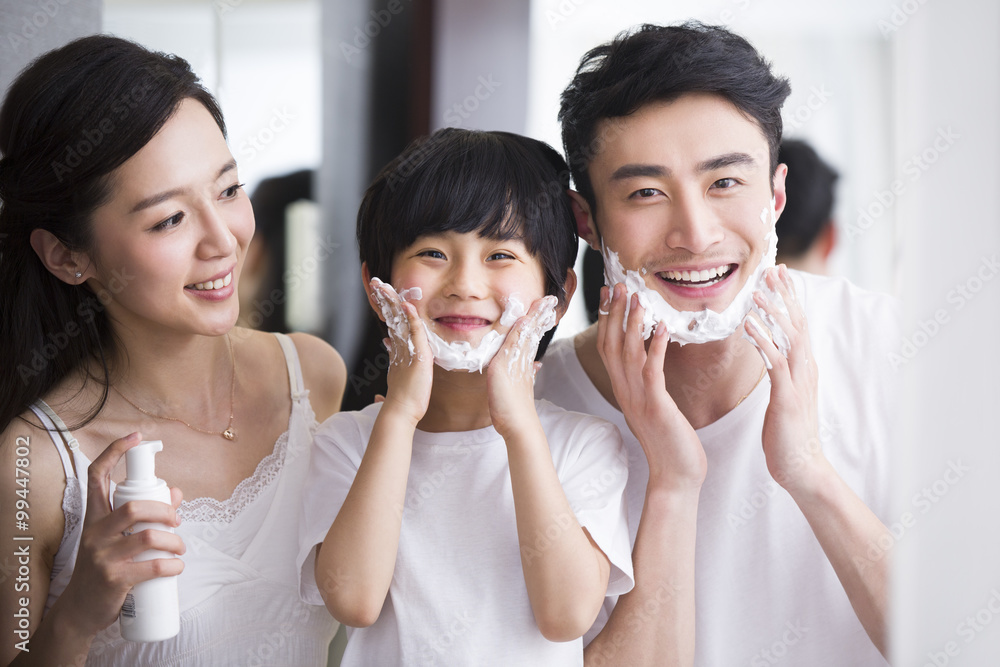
(72, 506)
(206, 509)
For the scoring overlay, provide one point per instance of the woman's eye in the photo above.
(232, 191)
(436, 254)
(169, 223)
(499, 255)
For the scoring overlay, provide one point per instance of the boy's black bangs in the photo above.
(484, 188)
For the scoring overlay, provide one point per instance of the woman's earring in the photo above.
(78, 275)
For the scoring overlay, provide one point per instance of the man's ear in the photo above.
(778, 186)
(366, 278)
(585, 226)
(61, 262)
(569, 288)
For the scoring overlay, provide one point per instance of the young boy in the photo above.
(460, 521)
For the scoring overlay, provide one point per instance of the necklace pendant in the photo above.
(229, 434)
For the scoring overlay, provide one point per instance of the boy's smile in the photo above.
(679, 188)
(459, 323)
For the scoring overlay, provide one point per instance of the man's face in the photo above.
(680, 188)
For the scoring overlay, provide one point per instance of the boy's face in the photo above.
(466, 280)
(680, 188)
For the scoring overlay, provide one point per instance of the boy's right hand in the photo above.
(411, 363)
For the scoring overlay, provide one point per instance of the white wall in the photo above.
(948, 559)
(260, 59)
(480, 65)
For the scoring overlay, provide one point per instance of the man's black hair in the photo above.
(659, 64)
(809, 190)
(497, 184)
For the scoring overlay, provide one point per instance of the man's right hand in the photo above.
(637, 377)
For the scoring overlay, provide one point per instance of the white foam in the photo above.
(545, 320)
(396, 322)
(461, 355)
(707, 325)
(513, 309)
(757, 328)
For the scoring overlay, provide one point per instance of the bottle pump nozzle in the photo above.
(139, 464)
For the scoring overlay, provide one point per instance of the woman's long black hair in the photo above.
(69, 120)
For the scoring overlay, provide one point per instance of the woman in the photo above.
(123, 230)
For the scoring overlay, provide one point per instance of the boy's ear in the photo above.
(585, 226)
(570, 288)
(366, 279)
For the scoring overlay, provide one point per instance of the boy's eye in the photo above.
(436, 254)
(169, 223)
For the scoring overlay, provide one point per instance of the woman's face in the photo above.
(169, 246)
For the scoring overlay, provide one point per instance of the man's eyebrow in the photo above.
(727, 160)
(168, 194)
(627, 171)
(635, 170)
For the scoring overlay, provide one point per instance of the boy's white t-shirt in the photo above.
(458, 595)
(765, 592)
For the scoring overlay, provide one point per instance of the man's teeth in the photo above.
(697, 276)
(218, 283)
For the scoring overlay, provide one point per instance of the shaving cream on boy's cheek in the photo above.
(706, 325)
(395, 321)
(461, 355)
(523, 363)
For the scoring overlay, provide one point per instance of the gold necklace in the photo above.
(763, 370)
(229, 433)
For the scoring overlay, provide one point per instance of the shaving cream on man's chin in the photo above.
(705, 326)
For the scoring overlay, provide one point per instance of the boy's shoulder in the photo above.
(548, 410)
(567, 428)
(349, 422)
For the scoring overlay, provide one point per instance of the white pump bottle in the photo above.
(151, 611)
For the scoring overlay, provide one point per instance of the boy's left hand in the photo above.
(510, 377)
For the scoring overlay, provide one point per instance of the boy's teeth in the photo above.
(218, 283)
(697, 276)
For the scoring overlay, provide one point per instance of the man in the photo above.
(752, 464)
(806, 232)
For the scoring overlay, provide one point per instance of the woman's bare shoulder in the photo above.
(32, 484)
(323, 372)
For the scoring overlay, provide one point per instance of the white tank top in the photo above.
(239, 590)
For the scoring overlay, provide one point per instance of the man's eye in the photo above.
(725, 183)
(646, 193)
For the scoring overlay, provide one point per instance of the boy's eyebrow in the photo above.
(635, 170)
(168, 194)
